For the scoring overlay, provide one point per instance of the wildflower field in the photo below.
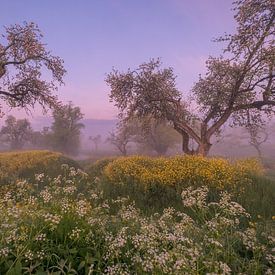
(136, 215)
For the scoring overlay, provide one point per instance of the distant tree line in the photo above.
(62, 136)
(238, 89)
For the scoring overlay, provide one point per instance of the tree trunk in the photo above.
(203, 148)
(185, 144)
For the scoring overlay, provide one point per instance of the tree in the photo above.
(42, 139)
(96, 141)
(122, 136)
(155, 135)
(16, 132)
(66, 129)
(239, 82)
(257, 138)
(24, 60)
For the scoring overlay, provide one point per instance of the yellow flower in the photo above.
(180, 170)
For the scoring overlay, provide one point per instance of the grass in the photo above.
(25, 164)
(78, 223)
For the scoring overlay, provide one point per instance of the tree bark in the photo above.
(203, 148)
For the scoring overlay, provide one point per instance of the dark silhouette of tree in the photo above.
(238, 82)
(16, 132)
(24, 61)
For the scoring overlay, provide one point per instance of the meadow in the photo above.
(135, 215)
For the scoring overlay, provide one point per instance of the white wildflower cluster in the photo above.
(7, 197)
(118, 269)
(75, 234)
(129, 212)
(22, 184)
(57, 181)
(14, 211)
(40, 255)
(194, 197)
(46, 195)
(270, 258)
(271, 239)
(29, 255)
(41, 237)
(212, 241)
(52, 219)
(218, 267)
(69, 189)
(40, 177)
(4, 252)
(32, 200)
(72, 172)
(65, 205)
(12, 236)
(82, 207)
(230, 207)
(81, 173)
(249, 238)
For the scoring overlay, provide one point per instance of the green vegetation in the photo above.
(78, 223)
(25, 164)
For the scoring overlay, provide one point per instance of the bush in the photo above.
(181, 171)
(96, 169)
(26, 164)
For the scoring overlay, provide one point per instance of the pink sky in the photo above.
(94, 36)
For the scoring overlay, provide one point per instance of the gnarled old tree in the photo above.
(239, 82)
(24, 60)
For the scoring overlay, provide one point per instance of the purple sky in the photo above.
(92, 36)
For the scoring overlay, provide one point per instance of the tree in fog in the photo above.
(237, 83)
(25, 64)
(122, 136)
(257, 137)
(155, 135)
(66, 129)
(96, 140)
(42, 139)
(16, 132)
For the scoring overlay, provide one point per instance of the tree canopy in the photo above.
(237, 84)
(29, 73)
(16, 132)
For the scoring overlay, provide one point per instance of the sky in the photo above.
(94, 36)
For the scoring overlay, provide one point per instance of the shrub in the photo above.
(181, 171)
(26, 164)
(96, 169)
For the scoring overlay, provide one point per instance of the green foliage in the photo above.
(26, 164)
(96, 168)
(69, 228)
